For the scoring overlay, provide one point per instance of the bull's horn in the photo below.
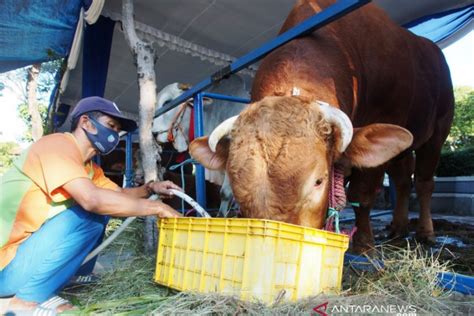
(169, 93)
(220, 131)
(341, 120)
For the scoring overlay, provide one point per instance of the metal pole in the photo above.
(350, 219)
(198, 132)
(224, 97)
(128, 160)
(309, 25)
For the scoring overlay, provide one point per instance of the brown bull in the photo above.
(389, 94)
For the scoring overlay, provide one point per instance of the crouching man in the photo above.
(54, 206)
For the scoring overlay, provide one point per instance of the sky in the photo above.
(459, 55)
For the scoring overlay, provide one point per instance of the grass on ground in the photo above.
(408, 277)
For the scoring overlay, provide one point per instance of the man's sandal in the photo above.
(82, 280)
(47, 308)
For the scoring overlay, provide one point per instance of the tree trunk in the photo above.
(144, 56)
(33, 110)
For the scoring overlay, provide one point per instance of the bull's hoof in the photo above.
(428, 239)
(398, 233)
(362, 247)
(363, 250)
(363, 243)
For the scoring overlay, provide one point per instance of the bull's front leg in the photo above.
(427, 158)
(362, 190)
(400, 171)
(424, 189)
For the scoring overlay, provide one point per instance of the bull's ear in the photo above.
(199, 150)
(375, 144)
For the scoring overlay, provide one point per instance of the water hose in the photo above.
(183, 184)
(111, 238)
(191, 202)
(129, 220)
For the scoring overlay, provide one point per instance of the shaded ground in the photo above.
(454, 237)
(455, 242)
(408, 279)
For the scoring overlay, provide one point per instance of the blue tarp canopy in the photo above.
(438, 27)
(34, 31)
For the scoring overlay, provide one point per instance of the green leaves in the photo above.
(8, 152)
(456, 163)
(25, 116)
(462, 130)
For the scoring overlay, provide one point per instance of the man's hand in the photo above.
(165, 211)
(114, 203)
(163, 188)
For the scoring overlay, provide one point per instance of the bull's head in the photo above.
(164, 127)
(173, 126)
(278, 154)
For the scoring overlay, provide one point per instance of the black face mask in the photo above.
(105, 140)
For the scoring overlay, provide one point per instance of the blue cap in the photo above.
(105, 106)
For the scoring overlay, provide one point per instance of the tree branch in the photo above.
(144, 56)
(33, 110)
(129, 25)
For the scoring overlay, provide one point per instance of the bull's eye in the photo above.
(318, 182)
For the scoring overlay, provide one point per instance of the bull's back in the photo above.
(432, 101)
(365, 64)
(408, 85)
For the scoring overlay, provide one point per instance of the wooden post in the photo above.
(33, 110)
(144, 56)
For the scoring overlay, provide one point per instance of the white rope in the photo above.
(92, 14)
(76, 43)
(178, 44)
(190, 23)
(74, 52)
(130, 115)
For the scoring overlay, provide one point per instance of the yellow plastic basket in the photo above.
(250, 258)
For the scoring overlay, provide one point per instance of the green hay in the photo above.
(408, 278)
(129, 240)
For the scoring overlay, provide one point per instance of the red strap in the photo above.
(337, 193)
(170, 135)
(191, 126)
(181, 157)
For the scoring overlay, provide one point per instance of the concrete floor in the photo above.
(386, 219)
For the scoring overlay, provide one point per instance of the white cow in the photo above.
(173, 126)
(162, 124)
